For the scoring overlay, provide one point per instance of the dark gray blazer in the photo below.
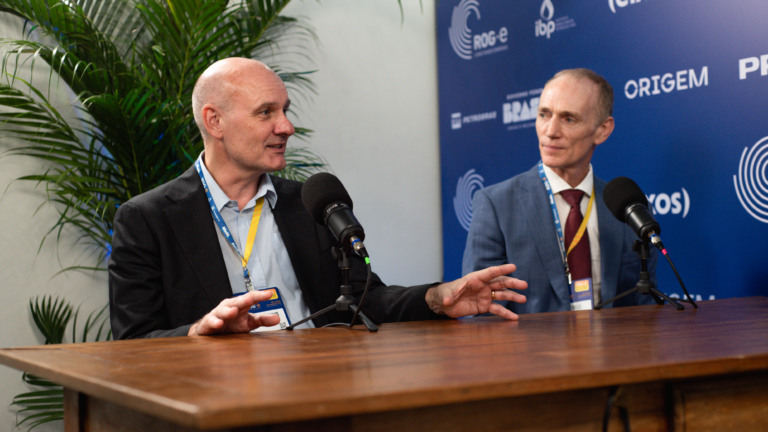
(166, 269)
(512, 222)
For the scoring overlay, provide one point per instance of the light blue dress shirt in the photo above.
(269, 264)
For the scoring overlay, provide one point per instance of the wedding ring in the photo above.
(493, 295)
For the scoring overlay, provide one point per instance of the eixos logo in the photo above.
(751, 183)
(613, 4)
(676, 203)
(466, 187)
(464, 43)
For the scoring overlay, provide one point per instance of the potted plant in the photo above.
(131, 65)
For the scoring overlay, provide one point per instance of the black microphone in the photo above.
(628, 203)
(328, 202)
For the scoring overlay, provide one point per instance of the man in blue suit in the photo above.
(522, 219)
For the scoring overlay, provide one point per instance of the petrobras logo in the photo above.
(676, 203)
(668, 82)
(466, 187)
(521, 109)
(458, 120)
(750, 65)
(613, 4)
(750, 181)
(468, 45)
(548, 24)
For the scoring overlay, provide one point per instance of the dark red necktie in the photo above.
(579, 261)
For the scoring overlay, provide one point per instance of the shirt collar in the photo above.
(266, 189)
(558, 184)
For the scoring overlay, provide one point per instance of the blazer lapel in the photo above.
(189, 217)
(536, 203)
(296, 226)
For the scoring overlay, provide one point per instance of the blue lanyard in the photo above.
(225, 231)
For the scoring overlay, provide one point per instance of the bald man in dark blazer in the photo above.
(171, 272)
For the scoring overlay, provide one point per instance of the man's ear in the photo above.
(604, 130)
(212, 120)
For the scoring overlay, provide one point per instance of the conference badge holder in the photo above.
(581, 294)
(274, 305)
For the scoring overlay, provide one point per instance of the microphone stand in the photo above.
(345, 302)
(644, 284)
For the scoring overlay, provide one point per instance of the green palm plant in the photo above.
(52, 315)
(131, 65)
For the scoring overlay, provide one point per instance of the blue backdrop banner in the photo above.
(690, 79)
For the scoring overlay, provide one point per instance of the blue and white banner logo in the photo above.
(549, 24)
(675, 203)
(751, 183)
(466, 187)
(613, 4)
(459, 33)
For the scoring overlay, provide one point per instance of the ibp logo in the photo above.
(545, 26)
(676, 203)
(466, 187)
(613, 4)
(750, 182)
(549, 24)
(467, 45)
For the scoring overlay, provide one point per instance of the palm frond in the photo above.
(41, 406)
(52, 315)
(132, 65)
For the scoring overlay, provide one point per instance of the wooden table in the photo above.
(668, 369)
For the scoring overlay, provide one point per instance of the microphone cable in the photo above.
(365, 291)
(674, 269)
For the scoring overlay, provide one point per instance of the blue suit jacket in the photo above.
(512, 222)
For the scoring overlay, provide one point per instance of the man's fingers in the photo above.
(266, 320)
(507, 295)
(492, 273)
(245, 301)
(503, 312)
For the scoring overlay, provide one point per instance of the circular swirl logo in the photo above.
(459, 33)
(751, 182)
(466, 187)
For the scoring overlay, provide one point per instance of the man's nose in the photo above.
(284, 126)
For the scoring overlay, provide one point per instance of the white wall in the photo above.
(375, 121)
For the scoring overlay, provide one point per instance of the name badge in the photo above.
(274, 305)
(581, 294)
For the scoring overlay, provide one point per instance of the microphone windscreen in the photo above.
(621, 193)
(321, 190)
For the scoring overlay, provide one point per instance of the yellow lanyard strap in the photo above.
(252, 231)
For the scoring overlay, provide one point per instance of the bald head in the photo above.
(604, 90)
(222, 80)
